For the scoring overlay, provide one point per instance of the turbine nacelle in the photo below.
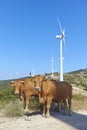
(60, 36)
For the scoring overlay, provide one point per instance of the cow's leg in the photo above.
(21, 98)
(42, 101)
(26, 103)
(59, 106)
(65, 101)
(44, 109)
(69, 103)
(49, 100)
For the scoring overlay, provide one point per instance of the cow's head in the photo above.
(38, 82)
(27, 83)
(16, 85)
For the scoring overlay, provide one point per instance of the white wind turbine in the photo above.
(33, 72)
(17, 75)
(61, 37)
(10, 76)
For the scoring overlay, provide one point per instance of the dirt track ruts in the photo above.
(35, 121)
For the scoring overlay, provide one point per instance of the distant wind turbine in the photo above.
(17, 75)
(61, 37)
(10, 76)
(33, 72)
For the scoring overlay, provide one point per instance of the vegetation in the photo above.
(79, 102)
(79, 79)
(6, 92)
(34, 103)
(13, 109)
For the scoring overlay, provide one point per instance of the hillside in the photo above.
(79, 71)
(77, 78)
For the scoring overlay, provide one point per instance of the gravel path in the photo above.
(78, 121)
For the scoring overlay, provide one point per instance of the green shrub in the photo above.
(79, 97)
(13, 109)
(79, 102)
(34, 103)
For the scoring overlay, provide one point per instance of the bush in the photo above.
(6, 92)
(79, 97)
(13, 109)
(79, 102)
(34, 103)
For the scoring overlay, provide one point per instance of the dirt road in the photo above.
(78, 121)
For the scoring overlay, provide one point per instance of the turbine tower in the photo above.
(10, 76)
(61, 37)
(17, 75)
(33, 72)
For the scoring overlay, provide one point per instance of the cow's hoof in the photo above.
(25, 111)
(69, 114)
(47, 116)
(43, 115)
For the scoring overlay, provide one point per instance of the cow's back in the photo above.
(61, 89)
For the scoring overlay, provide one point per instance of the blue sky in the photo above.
(28, 30)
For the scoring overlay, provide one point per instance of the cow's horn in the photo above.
(12, 81)
(22, 81)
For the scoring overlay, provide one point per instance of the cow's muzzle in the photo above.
(16, 92)
(37, 88)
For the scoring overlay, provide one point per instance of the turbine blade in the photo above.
(59, 24)
(63, 32)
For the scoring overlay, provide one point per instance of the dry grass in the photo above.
(13, 109)
(79, 101)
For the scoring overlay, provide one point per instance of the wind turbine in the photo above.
(10, 76)
(17, 75)
(33, 72)
(61, 37)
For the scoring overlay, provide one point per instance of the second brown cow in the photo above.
(50, 90)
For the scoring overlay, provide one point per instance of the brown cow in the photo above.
(25, 88)
(16, 85)
(50, 90)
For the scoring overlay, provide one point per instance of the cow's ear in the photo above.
(22, 82)
(11, 82)
(32, 79)
(44, 79)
